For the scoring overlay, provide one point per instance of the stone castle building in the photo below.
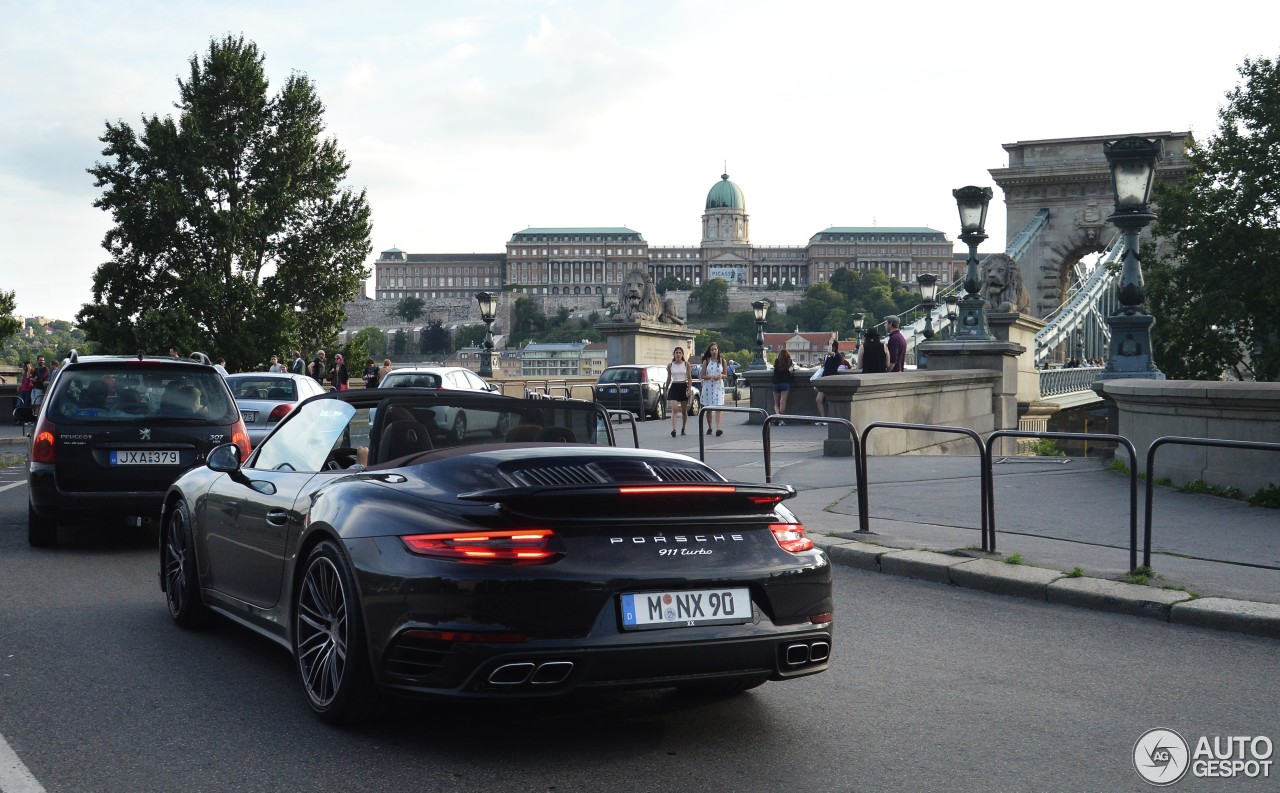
(581, 268)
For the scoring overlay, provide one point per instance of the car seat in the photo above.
(403, 437)
(277, 393)
(523, 433)
(557, 435)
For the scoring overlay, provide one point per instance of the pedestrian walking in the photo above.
(679, 382)
(714, 369)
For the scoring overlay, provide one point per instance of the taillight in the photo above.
(671, 490)
(519, 546)
(240, 437)
(791, 537)
(278, 412)
(46, 437)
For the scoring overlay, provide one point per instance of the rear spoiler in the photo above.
(622, 501)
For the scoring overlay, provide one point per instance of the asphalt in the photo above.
(1062, 525)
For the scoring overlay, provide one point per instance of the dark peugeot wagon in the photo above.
(115, 432)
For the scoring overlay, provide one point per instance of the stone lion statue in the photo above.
(1002, 286)
(639, 300)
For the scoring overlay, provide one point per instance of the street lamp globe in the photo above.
(760, 309)
(488, 311)
(928, 283)
(972, 202)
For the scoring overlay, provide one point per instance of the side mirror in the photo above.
(224, 459)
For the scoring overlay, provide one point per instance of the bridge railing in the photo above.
(1068, 380)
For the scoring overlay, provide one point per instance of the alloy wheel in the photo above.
(322, 631)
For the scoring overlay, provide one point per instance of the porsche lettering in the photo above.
(678, 538)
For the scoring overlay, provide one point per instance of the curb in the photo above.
(1054, 586)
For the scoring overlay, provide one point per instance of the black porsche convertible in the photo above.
(531, 562)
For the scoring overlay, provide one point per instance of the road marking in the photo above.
(14, 776)
(12, 486)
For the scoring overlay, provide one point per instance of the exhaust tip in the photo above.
(797, 654)
(819, 651)
(552, 673)
(511, 674)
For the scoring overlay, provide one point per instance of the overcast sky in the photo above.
(468, 121)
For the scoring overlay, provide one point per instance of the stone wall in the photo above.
(1150, 409)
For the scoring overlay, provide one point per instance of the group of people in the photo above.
(715, 370)
(876, 354)
(31, 386)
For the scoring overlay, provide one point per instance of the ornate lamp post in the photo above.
(953, 312)
(972, 202)
(929, 297)
(859, 321)
(761, 310)
(1133, 170)
(488, 310)
(1080, 346)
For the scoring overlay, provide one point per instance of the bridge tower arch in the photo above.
(1070, 178)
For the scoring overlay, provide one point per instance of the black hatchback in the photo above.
(115, 432)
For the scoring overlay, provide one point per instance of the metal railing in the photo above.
(1183, 441)
(1071, 436)
(984, 475)
(627, 416)
(709, 409)
(1067, 380)
(777, 418)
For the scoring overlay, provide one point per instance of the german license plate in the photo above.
(167, 457)
(249, 416)
(643, 610)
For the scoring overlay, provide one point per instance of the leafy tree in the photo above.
(9, 324)
(435, 339)
(372, 341)
(526, 316)
(410, 309)
(1215, 297)
(231, 231)
(399, 342)
(671, 282)
(469, 336)
(712, 298)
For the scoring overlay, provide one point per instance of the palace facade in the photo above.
(594, 261)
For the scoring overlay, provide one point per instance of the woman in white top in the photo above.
(679, 379)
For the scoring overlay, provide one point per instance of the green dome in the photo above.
(726, 195)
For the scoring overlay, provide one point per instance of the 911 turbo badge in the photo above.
(678, 538)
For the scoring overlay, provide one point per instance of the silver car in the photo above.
(452, 423)
(266, 397)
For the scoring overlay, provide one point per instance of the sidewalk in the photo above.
(1216, 561)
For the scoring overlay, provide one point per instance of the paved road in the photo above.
(932, 687)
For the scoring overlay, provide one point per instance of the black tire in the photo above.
(659, 410)
(41, 532)
(458, 433)
(329, 642)
(178, 570)
(504, 426)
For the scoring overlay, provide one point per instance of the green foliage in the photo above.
(1216, 296)
(712, 298)
(1268, 497)
(670, 283)
(1118, 467)
(1013, 558)
(435, 339)
(231, 231)
(527, 317)
(1046, 447)
(399, 342)
(53, 341)
(469, 336)
(1141, 575)
(9, 324)
(371, 341)
(1075, 572)
(1201, 487)
(410, 309)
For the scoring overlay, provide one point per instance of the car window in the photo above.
(304, 441)
(474, 382)
(276, 388)
(411, 380)
(129, 393)
(620, 376)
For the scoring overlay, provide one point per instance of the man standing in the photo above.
(39, 380)
(897, 343)
(319, 367)
(298, 366)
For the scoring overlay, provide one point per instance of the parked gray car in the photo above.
(266, 397)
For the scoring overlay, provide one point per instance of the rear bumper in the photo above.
(53, 503)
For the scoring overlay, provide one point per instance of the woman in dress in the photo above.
(679, 380)
(873, 358)
(714, 369)
(781, 381)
